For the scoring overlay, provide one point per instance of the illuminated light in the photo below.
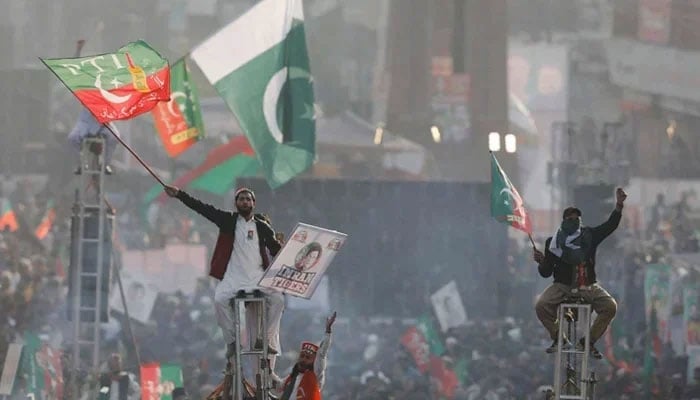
(511, 143)
(435, 131)
(494, 141)
(378, 135)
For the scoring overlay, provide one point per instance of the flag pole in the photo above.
(136, 156)
(534, 247)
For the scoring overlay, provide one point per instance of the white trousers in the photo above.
(274, 300)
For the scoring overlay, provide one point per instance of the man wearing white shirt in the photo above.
(239, 261)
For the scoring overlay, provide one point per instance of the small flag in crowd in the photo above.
(8, 218)
(118, 85)
(46, 223)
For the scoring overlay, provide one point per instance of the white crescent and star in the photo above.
(516, 199)
(110, 97)
(173, 101)
(272, 94)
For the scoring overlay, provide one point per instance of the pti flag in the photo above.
(8, 218)
(46, 222)
(159, 380)
(41, 369)
(259, 64)
(179, 121)
(118, 85)
(506, 204)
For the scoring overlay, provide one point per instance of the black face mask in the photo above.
(569, 226)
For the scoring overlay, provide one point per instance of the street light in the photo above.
(511, 143)
(494, 141)
(378, 135)
(435, 131)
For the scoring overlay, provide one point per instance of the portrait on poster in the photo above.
(303, 260)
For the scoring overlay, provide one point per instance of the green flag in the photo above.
(431, 335)
(259, 64)
(506, 204)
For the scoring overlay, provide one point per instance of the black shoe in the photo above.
(77, 170)
(109, 170)
(565, 345)
(594, 352)
(258, 346)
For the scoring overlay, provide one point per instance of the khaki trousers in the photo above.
(600, 300)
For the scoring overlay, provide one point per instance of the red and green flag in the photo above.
(41, 369)
(8, 218)
(218, 173)
(159, 380)
(506, 203)
(46, 223)
(616, 349)
(179, 121)
(118, 85)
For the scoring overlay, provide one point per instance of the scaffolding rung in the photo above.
(90, 240)
(88, 308)
(573, 351)
(571, 397)
(252, 353)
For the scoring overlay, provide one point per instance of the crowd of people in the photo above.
(493, 358)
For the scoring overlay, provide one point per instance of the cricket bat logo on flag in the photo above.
(506, 203)
(259, 64)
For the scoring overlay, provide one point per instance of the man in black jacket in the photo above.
(239, 261)
(570, 257)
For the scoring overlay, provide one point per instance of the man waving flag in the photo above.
(259, 64)
(506, 204)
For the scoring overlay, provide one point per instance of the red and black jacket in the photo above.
(226, 221)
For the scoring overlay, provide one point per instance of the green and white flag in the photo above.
(259, 64)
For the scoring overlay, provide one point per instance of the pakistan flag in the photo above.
(259, 64)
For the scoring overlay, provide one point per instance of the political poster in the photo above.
(302, 262)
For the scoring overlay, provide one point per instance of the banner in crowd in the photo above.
(657, 295)
(9, 368)
(448, 306)
(41, 369)
(172, 268)
(423, 343)
(140, 295)
(676, 322)
(414, 341)
(300, 265)
(691, 315)
(693, 362)
(159, 380)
